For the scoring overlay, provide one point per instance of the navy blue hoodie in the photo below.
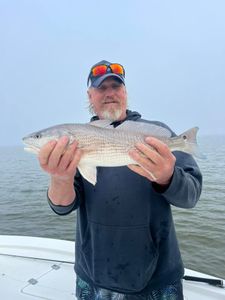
(125, 235)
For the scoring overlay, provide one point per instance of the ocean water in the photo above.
(201, 231)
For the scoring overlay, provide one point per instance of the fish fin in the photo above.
(145, 128)
(191, 146)
(101, 123)
(88, 172)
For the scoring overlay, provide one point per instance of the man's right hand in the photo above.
(60, 161)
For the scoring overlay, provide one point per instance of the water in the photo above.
(201, 231)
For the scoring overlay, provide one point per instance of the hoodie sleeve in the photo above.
(186, 184)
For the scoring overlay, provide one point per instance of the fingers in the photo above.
(155, 160)
(65, 157)
(57, 158)
(45, 153)
(75, 161)
(159, 147)
(143, 156)
(143, 172)
(58, 152)
(151, 153)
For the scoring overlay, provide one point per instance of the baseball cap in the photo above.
(104, 69)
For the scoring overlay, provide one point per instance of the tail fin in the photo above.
(190, 140)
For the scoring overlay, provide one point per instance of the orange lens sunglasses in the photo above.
(103, 69)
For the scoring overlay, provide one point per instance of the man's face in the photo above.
(109, 100)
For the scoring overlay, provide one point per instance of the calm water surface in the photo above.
(201, 231)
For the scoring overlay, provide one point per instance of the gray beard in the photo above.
(107, 115)
(112, 115)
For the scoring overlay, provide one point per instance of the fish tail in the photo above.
(191, 146)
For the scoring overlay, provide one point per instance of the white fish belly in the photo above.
(107, 158)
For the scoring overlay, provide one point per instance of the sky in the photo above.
(173, 53)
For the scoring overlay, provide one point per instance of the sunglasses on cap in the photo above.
(104, 69)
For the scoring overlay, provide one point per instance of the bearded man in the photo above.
(126, 245)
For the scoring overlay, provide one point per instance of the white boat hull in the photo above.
(42, 268)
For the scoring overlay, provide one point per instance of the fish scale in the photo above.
(111, 149)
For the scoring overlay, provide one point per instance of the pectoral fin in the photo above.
(88, 172)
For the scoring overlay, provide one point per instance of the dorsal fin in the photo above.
(102, 123)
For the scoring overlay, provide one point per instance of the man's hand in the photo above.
(155, 162)
(60, 160)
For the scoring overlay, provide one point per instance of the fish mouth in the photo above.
(31, 148)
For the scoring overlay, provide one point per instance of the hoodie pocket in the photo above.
(119, 258)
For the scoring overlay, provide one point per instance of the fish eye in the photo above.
(184, 137)
(37, 136)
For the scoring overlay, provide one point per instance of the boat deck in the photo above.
(41, 268)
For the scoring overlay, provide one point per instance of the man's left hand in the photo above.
(155, 162)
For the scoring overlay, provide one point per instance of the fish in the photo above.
(103, 145)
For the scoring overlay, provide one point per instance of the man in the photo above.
(126, 246)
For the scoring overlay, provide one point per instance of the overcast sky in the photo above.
(173, 52)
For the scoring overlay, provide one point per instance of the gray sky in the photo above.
(173, 52)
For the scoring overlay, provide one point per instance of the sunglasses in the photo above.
(103, 69)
